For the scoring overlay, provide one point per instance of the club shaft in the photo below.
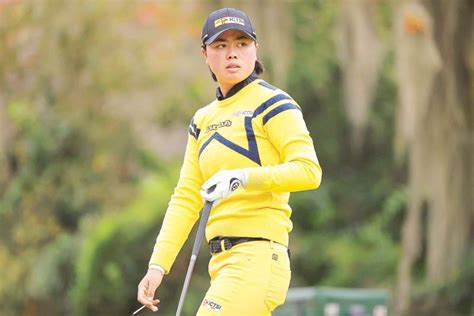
(187, 280)
(197, 244)
(202, 227)
(138, 310)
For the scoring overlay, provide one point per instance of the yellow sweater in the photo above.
(261, 129)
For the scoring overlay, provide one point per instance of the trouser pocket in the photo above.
(279, 280)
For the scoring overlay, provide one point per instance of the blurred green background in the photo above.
(95, 98)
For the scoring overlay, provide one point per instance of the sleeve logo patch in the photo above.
(211, 305)
(227, 20)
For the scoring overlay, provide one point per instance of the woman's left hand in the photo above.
(222, 184)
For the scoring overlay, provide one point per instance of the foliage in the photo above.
(63, 160)
(115, 253)
(454, 297)
(60, 173)
(82, 87)
(344, 223)
(107, 264)
(52, 273)
(360, 255)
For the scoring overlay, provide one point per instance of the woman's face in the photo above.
(231, 57)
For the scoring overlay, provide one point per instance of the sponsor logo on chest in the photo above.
(213, 127)
(245, 113)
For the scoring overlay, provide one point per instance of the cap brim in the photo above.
(211, 39)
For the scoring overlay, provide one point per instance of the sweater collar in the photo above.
(236, 88)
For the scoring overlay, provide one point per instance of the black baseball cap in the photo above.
(223, 20)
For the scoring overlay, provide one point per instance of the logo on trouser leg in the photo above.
(211, 305)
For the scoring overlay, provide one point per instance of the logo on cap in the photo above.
(229, 19)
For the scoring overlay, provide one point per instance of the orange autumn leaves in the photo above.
(413, 23)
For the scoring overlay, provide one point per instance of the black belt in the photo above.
(219, 244)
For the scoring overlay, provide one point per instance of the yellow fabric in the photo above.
(249, 279)
(260, 129)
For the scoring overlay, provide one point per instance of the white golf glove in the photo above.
(223, 183)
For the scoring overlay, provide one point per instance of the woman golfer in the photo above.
(252, 136)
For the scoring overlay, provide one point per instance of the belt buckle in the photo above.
(225, 244)
(220, 245)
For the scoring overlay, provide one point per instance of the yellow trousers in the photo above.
(250, 279)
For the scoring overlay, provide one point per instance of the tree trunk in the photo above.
(435, 125)
(360, 52)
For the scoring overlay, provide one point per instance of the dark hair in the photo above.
(259, 69)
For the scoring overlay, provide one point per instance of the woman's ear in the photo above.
(204, 53)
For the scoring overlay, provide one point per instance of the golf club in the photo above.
(138, 310)
(197, 244)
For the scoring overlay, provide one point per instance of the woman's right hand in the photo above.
(147, 287)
